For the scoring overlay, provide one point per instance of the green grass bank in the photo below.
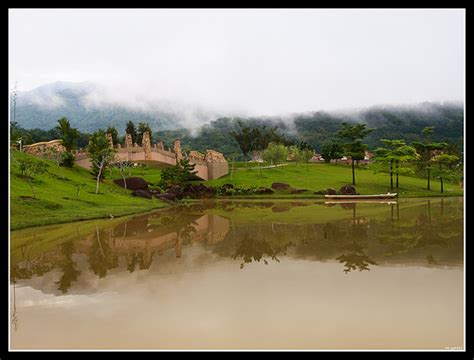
(57, 201)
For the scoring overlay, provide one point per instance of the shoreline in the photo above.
(164, 205)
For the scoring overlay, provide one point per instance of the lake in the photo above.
(245, 275)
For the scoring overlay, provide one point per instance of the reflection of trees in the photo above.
(355, 259)
(255, 243)
(252, 249)
(67, 265)
(101, 256)
(416, 231)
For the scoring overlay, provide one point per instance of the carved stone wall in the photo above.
(196, 155)
(41, 148)
(128, 141)
(146, 143)
(110, 140)
(160, 145)
(214, 156)
(177, 150)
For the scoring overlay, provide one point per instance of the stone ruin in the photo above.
(214, 156)
(177, 150)
(44, 147)
(146, 143)
(128, 141)
(196, 155)
(110, 140)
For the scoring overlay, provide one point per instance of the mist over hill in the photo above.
(90, 107)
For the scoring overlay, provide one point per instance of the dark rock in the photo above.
(133, 183)
(280, 186)
(142, 193)
(347, 190)
(264, 190)
(330, 191)
(168, 196)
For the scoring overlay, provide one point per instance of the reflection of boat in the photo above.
(362, 197)
(380, 201)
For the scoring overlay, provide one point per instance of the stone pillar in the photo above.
(110, 140)
(146, 145)
(177, 150)
(128, 141)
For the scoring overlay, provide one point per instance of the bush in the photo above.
(67, 159)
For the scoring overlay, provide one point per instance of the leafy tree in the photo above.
(122, 165)
(142, 128)
(244, 138)
(130, 129)
(177, 175)
(445, 168)
(306, 155)
(113, 131)
(427, 150)
(68, 134)
(332, 151)
(256, 138)
(28, 169)
(353, 146)
(397, 152)
(101, 155)
(55, 155)
(275, 153)
(294, 153)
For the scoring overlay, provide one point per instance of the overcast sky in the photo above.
(251, 61)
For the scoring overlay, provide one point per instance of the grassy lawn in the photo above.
(56, 200)
(321, 176)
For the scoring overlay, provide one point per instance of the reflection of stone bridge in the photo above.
(211, 165)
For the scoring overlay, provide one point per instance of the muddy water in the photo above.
(245, 275)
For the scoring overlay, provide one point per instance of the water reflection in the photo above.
(359, 236)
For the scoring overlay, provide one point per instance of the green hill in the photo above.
(56, 196)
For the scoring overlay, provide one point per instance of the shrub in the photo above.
(67, 159)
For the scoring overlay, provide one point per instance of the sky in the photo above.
(246, 61)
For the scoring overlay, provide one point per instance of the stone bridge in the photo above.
(211, 165)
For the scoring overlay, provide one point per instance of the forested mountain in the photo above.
(42, 107)
(318, 127)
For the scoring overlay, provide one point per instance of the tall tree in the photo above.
(68, 134)
(427, 151)
(275, 153)
(101, 155)
(142, 128)
(396, 153)
(113, 131)
(244, 138)
(353, 146)
(332, 151)
(444, 170)
(130, 129)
